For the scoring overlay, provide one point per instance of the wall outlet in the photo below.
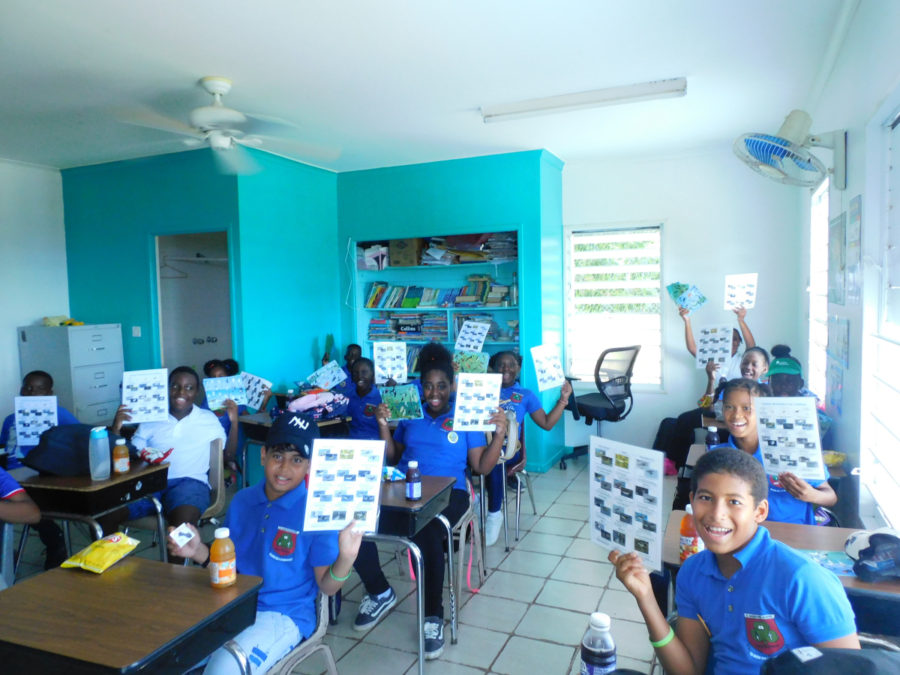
(135, 331)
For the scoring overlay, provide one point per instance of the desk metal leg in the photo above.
(235, 650)
(453, 619)
(87, 520)
(505, 519)
(420, 587)
(160, 528)
(23, 539)
(482, 513)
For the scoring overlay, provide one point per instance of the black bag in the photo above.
(664, 435)
(63, 451)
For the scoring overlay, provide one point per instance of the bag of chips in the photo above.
(103, 553)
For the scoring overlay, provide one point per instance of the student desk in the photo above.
(877, 606)
(399, 520)
(82, 499)
(257, 425)
(138, 616)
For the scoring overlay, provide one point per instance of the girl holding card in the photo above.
(791, 499)
(440, 451)
(523, 402)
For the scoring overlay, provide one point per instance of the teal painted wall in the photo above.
(113, 212)
(289, 255)
(282, 238)
(481, 194)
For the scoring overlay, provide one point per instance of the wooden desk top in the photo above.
(115, 619)
(84, 483)
(801, 537)
(393, 494)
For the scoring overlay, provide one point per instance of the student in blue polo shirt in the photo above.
(791, 498)
(523, 402)
(266, 524)
(364, 399)
(440, 451)
(746, 598)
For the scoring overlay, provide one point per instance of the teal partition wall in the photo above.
(282, 237)
(516, 191)
(289, 255)
(113, 212)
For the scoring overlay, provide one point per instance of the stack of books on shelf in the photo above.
(412, 358)
(475, 292)
(409, 326)
(380, 329)
(502, 247)
(498, 294)
(383, 296)
(434, 327)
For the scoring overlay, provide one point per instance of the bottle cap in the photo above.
(600, 621)
(413, 464)
(120, 441)
(222, 533)
(290, 392)
(99, 432)
(689, 510)
(712, 430)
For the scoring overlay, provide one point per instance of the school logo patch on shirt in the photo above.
(763, 633)
(447, 424)
(516, 397)
(285, 542)
(369, 410)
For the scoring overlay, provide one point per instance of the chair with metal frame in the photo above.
(613, 399)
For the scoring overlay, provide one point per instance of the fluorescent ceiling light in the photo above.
(631, 93)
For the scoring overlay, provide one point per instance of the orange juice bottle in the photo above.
(222, 560)
(121, 462)
(691, 542)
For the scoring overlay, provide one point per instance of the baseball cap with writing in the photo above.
(294, 429)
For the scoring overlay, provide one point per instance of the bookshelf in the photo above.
(418, 304)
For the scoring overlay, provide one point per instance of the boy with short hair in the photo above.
(747, 597)
(37, 383)
(266, 525)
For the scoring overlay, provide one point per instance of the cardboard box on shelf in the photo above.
(405, 252)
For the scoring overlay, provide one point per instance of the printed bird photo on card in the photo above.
(328, 376)
(256, 388)
(471, 336)
(403, 402)
(34, 415)
(740, 290)
(547, 366)
(220, 389)
(390, 361)
(477, 397)
(146, 394)
(471, 362)
(686, 295)
(713, 344)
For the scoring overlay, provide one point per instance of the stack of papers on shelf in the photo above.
(438, 256)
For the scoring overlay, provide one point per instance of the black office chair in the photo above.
(613, 400)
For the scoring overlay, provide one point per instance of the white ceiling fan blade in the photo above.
(269, 125)
(145, 117)
(296, 149)
(235, 160)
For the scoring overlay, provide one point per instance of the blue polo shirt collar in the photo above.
(758, 542)
(286, 502)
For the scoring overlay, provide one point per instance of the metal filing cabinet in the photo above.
(85, 362)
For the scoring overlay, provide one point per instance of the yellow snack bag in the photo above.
(101, 554)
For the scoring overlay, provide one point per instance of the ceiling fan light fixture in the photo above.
(219, 141)
(631, 93)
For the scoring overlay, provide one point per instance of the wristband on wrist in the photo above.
(666, 640)
(331, 574)
(205, 563)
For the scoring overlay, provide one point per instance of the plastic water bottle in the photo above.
(413, 482)
(99, 454)
(598, 651)
(712, 438)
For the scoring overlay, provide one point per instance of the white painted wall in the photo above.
(718, 217)
(32, 261)
(195, 306)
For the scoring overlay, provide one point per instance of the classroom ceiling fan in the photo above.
(786, 158)
(227, 131)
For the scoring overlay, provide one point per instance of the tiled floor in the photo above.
(528, 617)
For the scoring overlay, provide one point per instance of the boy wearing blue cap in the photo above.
(265, 522)
(746, 598)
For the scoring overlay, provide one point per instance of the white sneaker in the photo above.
(492, 527)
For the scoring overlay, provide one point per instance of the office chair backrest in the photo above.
(612, 374)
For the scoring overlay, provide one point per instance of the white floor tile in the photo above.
(513, 586)
(524, 655)
(583, 572)
(570, 511)
(620, 605)
(477, 647)
(528, 562)
(488, 611)
(374, 660)
(566, 595)
(553, 624)
(561, 526)
(542, 542)
(586, 550)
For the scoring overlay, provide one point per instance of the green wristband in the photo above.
(666, 640)
(331, 574)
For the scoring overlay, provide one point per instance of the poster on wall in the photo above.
(626, 499)
(834, 382)
(854, 248)
(839, 340)
(837, 259)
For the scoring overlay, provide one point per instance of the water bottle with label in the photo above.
(712, 438)
(598, 650)
(99, 453)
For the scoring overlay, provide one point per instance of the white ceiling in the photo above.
(402, 81)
